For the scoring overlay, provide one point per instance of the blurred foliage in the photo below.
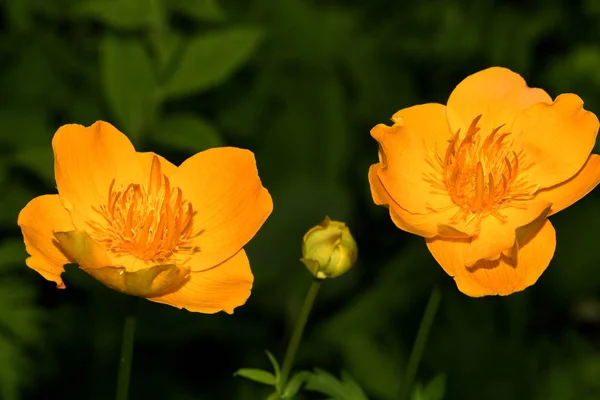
(301, 83)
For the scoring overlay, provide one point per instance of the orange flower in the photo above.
(479, 177)
(143, 226)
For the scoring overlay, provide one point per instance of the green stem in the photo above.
(127, 350)
(290, 353)
(420, 341)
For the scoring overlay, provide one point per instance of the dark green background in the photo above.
(300, 83)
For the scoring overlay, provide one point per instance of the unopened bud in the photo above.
(328, 249)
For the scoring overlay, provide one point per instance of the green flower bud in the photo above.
(328, 249)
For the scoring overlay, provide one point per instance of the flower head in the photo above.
(328, 249)
(145, 227)
(479, 177)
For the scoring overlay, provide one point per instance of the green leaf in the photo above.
(39, 160)
(209, 59)
(295, 384)
(276, 368)
(257, 375)
(434, 390)
(323, 382)
(202, 10)
(121, 14)
(187, 132)
(128, 81)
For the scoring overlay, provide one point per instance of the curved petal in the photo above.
(40, 217)
(230, 203)
(499, 277)
(410, 153)
(496, 236)
(221, 288)
(124, 274)
(426, 225)
(564, 194)
(555, 140)
(86, 161)
(497, 94)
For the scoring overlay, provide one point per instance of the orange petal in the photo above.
(564, 194)
(497, 94)
(499, 277)
(496, 236)
(124, 274)
(223, 186)
(37, 220)
(426, 225)
(410, 152)
(86, 160)
(221, 288)
(555, 139)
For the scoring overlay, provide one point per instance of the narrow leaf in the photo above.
(209, 59)
(257, 375)
(295, 384)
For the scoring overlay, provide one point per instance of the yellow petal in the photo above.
(502, 276)
(410, 152)
(221, 288)
(40, 217)
(497, 94)
(564, 194)
(555, 140)
(497, 236)
(144, 282)
(427, 225)
(86, 160)
(223, 186)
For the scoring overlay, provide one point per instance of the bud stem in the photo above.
(290, 353)
(420, 341)
(127, 349)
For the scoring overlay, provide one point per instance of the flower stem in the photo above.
(290, 353)
(127, 349)
(420, 341)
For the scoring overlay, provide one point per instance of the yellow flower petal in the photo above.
(555, 140)
(426, 225)
(230, 202)
(502, 276)
(86, 161)
(496, 236)
(497, 94)
(40, 217)
(409, 153)
(564, 194)
(148, 281)
(221, 288)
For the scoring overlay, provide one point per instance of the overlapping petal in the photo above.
(564, 194)
(497, 94)
(502, 276)
(427, 225)
(221, 288)
(40, 217)
(498, 235)
(86, 161)
(555, 140)
(230, 202)
(411, 150)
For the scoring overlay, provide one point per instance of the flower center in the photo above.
(479, 171)
(152, 222)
